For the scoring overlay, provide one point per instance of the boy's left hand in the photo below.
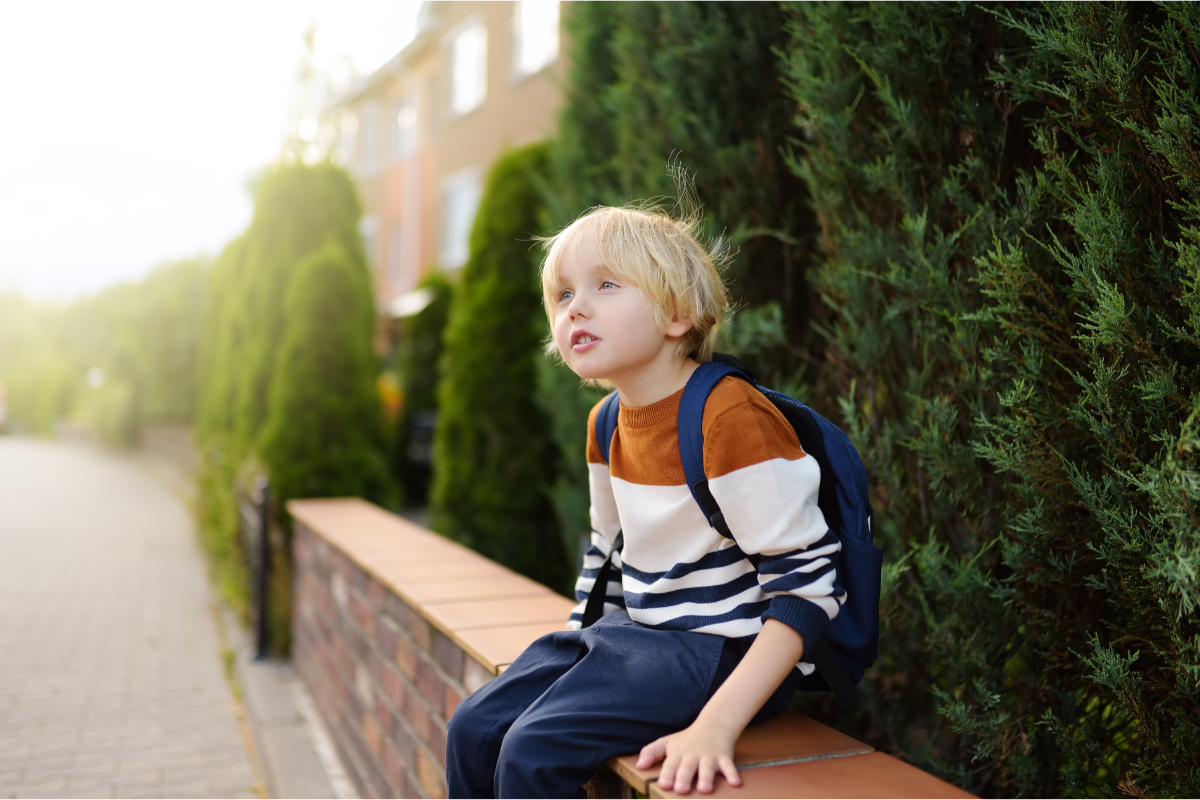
(696, 751)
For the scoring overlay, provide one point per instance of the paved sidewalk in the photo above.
(111, 675)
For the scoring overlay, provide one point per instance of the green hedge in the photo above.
(493, 458)
(271, 346)
(1008, 201)
(696, 84)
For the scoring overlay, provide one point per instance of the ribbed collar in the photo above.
(664, 410)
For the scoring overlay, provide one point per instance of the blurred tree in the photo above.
(299, 210)
(324, 432)
(1009, 215)
(493, 458)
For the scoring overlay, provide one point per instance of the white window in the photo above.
(395, 255)
(368, 228)
(369, 158)
(348, 137)
(404, 128)
(535, 35)
(460, 199)
(468, 69)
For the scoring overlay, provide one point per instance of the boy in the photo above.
(697, 642)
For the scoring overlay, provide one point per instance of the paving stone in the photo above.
(110, 665)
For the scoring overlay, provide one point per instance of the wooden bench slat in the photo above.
(788, 738)
(870, 775)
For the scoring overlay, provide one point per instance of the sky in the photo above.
(130, 130)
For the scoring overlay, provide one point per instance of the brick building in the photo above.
(420, 134)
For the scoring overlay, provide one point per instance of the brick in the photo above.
(452, 699)
(397, 610)
(383, 715)
(421, 631)
(406, 656)
(371, 734)
(406, 745)
(376, 595)
(437, 743)
(419, 718)
(430, 775)
(385, 636)
(475, 675)
(394, 770)
(430, 684)
(448, 655)
(362, 614)
(393, 688)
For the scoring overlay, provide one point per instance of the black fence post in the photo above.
(263, 571)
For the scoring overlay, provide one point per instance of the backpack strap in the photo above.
(606, 426)
(691, 452)
(606, 422)
(691, 435)
(594, 609)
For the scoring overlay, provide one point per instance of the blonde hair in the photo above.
(661, 255)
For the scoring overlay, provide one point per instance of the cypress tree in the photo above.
(299, 209)
(1008, 206)
(493, 460)
(324, 437)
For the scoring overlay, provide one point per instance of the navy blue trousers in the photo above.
(574, 699)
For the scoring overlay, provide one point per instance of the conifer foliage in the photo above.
(325, 425)
(493, 459)
(275, 337)
(1010, 208)
(696, 84)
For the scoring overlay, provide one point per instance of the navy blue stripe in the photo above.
(693, 621)
(786, 562)
(795, 580)
(694, 594)
(713, 560)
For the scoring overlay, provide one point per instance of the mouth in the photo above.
(583, 340)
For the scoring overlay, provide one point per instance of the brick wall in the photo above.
(385, 670)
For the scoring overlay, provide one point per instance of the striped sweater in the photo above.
(678, 573)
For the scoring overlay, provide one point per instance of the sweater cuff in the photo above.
(804, 617)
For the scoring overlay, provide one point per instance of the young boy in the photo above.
(697, 642)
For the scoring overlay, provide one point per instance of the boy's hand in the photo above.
(699, 750)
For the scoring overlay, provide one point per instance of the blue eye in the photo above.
(565, 295)
(608, 284)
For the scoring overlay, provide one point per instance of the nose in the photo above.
(577, 307)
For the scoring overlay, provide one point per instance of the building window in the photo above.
(460, 198)
(468, 69)
(368, 228)
(395, 255)
(404, 128)
(369, 158)
(535, 35)
(348, 137)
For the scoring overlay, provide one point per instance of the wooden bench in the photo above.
(394, 624)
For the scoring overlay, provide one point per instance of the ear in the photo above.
(679, 327)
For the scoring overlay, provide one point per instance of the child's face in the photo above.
(603, 326)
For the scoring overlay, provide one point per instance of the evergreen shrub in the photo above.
(1010, 256)
(698, 85)
(324, 429)
(250, 382)
(493, 459)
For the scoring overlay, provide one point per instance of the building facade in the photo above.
(420, 134)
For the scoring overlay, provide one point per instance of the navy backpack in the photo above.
(851, 642)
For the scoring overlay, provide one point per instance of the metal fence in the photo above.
(255, 535)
